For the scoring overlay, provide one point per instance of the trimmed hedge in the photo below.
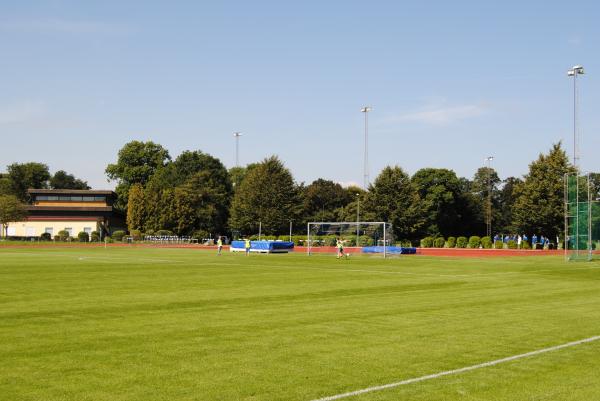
(451, 242)
(63, 235)
(461, 242)
(118, 235)
(512, 244)
(46, 237)
(474, 241)
(439, 242)
(498, 245)
(83, 236)
(486, 242)
(95, 237)
(427, 242)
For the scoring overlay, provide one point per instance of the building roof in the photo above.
(70, 208)
(70, 192)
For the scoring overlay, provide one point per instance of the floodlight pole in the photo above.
(357, 217)
(237, 148)
(574, 72)
(366, 110)
(290, 230)
(259, 229)
(488, 213)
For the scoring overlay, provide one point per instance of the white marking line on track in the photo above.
(457, 371)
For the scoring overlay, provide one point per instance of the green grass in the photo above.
(179, 324)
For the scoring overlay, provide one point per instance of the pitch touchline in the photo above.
(456, 371)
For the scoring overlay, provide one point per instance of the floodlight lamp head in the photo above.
(237, 134)
(366, 109)
(576, 70)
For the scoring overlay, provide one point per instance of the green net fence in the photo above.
(582, 219)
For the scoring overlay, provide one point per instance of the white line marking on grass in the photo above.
(457, 371)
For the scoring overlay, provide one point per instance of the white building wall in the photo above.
(36, 228)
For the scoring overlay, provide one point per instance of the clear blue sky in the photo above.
(450, 82)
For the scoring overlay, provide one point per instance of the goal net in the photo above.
(582, 218)
(376, 235)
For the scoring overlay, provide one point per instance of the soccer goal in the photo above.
(582, 217)
(376, 235)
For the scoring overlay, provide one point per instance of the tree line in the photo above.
(195, 194)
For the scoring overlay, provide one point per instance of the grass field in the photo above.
(180, 324)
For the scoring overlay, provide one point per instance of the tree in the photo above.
(503, 214)
(393, 198)
(62, 180)
(200, 198)
(136, 208)
(440, 201)
(201, 204)
(322, 198)
(268, 195)
(136, 164)
(6, 187)
(24, 176)
(539, 207)
(11, 210)
(484, 188)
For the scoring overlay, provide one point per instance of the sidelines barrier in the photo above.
(263, 246)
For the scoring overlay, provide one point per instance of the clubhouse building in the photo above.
(53, 210)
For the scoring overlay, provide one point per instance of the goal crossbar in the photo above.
(357, 224)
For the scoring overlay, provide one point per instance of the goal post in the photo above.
(359, 234)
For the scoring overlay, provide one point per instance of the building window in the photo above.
(30, 231)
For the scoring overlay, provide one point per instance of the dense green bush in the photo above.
(136, 235)
(330, 240)
(461, 242)
(95, 237)
(486, 242)
(350, 240)
(63, 235)
(83, 236)
(439, 242)
(474, 241)
(298, 240)
(46, 237)
(451, 243)
(498, 245)
(512, 244)
(427, 242)
(162, 233)
(118, 235)
(365, 240)
(405, 243)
